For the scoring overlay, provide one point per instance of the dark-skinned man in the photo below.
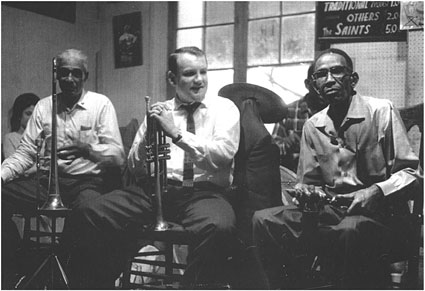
(88, 142)
(356, 151)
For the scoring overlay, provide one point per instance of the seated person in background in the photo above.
(88, 141)
(357, 151)
(203, 131)
(287, 133)
(21, 112)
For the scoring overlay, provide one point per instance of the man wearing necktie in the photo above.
(203, 133)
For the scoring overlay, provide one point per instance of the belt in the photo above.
(202, 185)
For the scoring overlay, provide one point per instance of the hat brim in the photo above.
(271, 107)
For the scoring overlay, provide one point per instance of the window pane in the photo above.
(259, 9)
(220, 12)
(190, 13)
(287, 81)
(219, 46)
(218, 79)
(298, 6)
(189, 37)
(263, 42)
(297, 38)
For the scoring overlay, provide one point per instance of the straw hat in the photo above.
(271, 106)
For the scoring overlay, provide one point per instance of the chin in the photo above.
(198, 97)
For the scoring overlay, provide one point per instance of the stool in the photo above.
(174, 235)
(51, 261)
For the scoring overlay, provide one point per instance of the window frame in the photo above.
(241, 24)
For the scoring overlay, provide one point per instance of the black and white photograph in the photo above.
(127, 40)
(212, 145)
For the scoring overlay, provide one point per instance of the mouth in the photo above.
(196, 89)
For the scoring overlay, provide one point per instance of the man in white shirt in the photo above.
(197, 199)
(88, 142)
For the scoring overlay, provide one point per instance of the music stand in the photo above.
(51, 259)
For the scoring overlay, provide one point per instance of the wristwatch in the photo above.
(179, 137)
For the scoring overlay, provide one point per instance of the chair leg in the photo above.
(126, 274)
(168, 254)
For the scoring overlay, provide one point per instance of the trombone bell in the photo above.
(53, 202)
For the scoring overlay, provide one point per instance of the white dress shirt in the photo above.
(92, 120)
(212, 148)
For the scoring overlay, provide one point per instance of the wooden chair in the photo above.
(413, 116)
(170, 278)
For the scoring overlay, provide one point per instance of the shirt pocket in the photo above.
(87, 135)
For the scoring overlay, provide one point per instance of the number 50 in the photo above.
(391, 28)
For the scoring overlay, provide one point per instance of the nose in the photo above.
(198, 77)
(328, 78)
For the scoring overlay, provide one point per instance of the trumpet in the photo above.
(157, 153)
(54, 200)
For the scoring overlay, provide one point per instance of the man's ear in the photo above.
(171, 77)
(307, 84)
(354, 79)
(86, 76)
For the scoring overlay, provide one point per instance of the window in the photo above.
(274, 46)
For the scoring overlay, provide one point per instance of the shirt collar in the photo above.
(204, 103)
(83, 100)
(356, 110)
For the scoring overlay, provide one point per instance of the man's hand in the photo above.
(367, 199)
(30, 171)
(164, 115)
(76, 150)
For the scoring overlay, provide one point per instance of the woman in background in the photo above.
(21, 112)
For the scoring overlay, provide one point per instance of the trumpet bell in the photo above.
(53, 202)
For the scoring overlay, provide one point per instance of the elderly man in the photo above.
(355, 150)
(203, 131)
(88, 141)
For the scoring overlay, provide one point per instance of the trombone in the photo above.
(54, 200)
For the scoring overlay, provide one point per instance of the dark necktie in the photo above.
(190, 127)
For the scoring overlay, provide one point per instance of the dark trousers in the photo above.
(353, 243)
(107, 227)
(19, 197)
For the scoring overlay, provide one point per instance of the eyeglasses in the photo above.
(64, 72)
(337, 72)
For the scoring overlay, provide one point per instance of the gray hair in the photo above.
(73, 53)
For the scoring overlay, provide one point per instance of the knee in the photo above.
(222, 225)
(259, 218)
(266, 217)
(348, 235)
(84, 215)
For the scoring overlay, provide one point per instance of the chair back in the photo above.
(413, 116)
(257, 173)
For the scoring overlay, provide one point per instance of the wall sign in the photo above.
(356, 21)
